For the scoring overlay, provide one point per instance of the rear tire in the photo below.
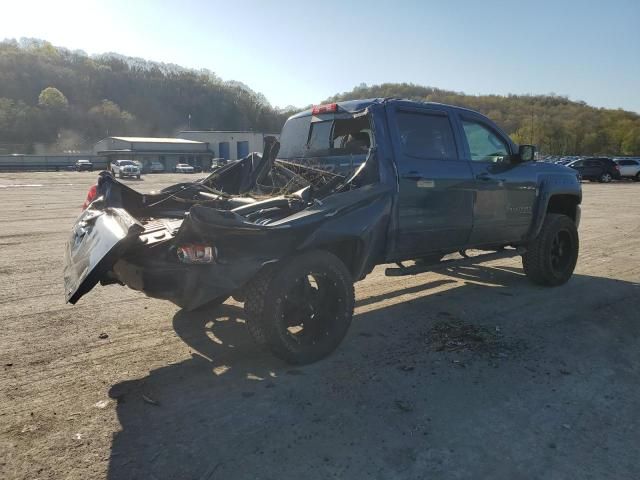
(605, 178)
(552, 256)
(637, 177)
(301, 309)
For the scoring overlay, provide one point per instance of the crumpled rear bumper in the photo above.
(188, 286)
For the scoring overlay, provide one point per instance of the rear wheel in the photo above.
(551, 258)
(606, 177)
(301, 309)
(637, 177)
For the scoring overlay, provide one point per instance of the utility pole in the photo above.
(189, 121)
(531, 139)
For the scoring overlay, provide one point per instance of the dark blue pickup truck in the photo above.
(348, 186)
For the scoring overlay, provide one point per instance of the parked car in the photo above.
(84, 166)
(289, 239)
(600, 169)
(218, 162)
(184, 168)
(629, 168)
(156, 167)
(126, 168)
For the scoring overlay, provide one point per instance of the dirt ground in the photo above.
(469, 373)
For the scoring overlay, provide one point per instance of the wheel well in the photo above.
(563, 204)
(348, 251)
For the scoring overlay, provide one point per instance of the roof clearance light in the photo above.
(327, 108)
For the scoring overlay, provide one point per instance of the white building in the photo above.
(230, 145)
(168, 151)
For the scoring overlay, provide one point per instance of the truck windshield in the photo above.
(302, 138)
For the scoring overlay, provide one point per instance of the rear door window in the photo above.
(426, 135)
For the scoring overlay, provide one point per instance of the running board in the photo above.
(401, 270)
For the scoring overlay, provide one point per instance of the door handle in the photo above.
(412, 176)
(486, 177)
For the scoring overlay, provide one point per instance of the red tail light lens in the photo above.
(327, 108)
(91, 196)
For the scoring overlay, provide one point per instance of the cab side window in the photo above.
(424, 135)
(484, 144)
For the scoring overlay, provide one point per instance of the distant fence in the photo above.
(47, 163)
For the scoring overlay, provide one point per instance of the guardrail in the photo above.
(47, 163)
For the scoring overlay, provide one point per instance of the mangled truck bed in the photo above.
(347, 187)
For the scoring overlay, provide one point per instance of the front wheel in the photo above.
(637, 177)
(551, 258)
(302, 308)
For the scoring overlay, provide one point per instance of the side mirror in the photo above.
(526, 153)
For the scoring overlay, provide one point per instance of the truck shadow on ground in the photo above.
(382, 406)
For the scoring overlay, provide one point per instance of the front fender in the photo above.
(551, 186)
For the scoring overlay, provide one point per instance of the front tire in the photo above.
(552, 256)
(301, 309)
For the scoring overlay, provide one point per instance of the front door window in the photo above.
(484, 144)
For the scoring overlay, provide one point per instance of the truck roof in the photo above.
(351, 106)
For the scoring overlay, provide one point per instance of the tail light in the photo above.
(196, 253)
(91, 196)
(327, 108)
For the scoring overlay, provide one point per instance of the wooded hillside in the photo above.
(53, 99)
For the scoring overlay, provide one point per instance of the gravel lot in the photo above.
(469, 373)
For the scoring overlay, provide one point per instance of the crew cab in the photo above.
(125, 168)
(349, 186)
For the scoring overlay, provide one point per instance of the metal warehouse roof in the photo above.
(155, 140)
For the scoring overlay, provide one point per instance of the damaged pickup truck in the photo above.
(348, 186)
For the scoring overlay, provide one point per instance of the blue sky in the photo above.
(300, 52)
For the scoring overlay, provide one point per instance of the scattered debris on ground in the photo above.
(457, 336)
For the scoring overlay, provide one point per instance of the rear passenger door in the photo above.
(435, 199)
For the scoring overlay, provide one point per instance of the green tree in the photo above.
(109, 119)
(53, 99)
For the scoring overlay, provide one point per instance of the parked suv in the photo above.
(349, 186)
(125, 168)
(599, 169)
(629, 168)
